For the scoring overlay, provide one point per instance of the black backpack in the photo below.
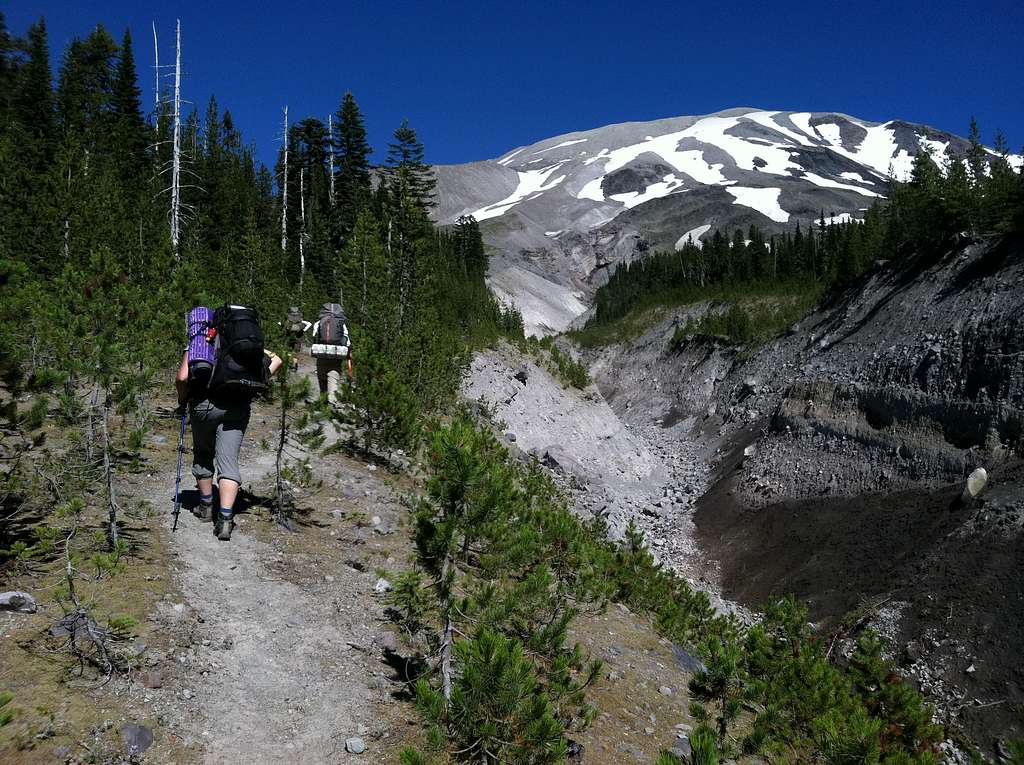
(332, 325)
(239, 366)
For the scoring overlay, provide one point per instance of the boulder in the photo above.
(382, 586)
(15, 600)
(681, 748)
(355, 745)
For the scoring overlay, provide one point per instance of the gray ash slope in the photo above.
(560, 213)
(860, 425)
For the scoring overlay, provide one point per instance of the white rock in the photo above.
(975, 484)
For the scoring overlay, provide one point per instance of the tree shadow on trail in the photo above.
(294, 516)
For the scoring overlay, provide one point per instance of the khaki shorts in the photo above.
(217, 438)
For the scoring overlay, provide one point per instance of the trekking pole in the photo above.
(177, 480)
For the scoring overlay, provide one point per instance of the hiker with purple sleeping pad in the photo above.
(222, 369)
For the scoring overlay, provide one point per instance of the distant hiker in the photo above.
(224, 366)
(294, 328)
(332, 349)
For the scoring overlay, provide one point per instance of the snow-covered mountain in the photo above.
(558, 213)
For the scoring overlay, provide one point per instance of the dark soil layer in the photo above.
(960, 571)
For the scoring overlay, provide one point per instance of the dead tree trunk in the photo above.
(284, 188)
(302, 227)
(156, 68)
(448, 637)
(67, 222)
(108, 476)
(330, 157)
(176, 160)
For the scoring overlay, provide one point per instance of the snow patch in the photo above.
(592, 190)
(831, 133)
(532, 183)
(835, 220)
(937, 149)
(765, 118)
(878, 150)
(803, 121)
(818, 180)
(765, 201)
(693, 235)
(508, 157)
(560, 145)
(854, 177)
(654, 191)
(773, 158)
(553, 233)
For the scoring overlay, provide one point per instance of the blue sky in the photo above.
(478, 78)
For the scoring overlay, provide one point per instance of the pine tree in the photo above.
(352, 166)
(409, 177)
(35, 109)
(85, 90)
(7, 71)
(365, 279)
(977, 157)
(131, 135)
(27, 142)
(1003, 197)
(958, 197)
(299, 431)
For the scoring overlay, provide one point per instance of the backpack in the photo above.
(294, 323)
(199, 322)
(332, 339)
(239, 367)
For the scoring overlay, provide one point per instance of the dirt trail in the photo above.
(274, 697)
(279, 665)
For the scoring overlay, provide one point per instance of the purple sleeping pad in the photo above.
(200, 350)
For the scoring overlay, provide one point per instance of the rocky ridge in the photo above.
(838, 453)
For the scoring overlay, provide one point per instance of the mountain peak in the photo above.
(566, 208)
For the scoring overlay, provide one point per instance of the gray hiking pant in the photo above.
(217, 436)
(328, 375)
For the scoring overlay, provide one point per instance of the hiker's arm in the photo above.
(181, 379)
(275, 363)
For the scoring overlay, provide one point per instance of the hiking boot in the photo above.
(203, 511)
(223, 526)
